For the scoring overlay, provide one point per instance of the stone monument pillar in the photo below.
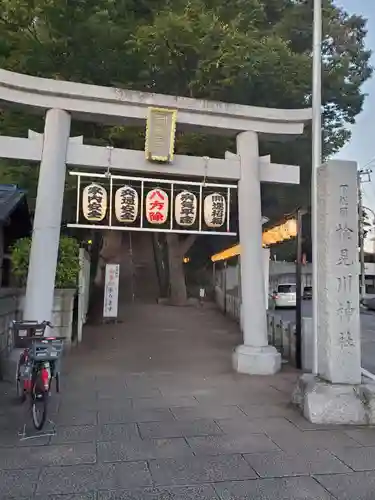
(255, 356)
(339, 342)
(335, 396)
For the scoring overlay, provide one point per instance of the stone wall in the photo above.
(11, 307)
(62, 314)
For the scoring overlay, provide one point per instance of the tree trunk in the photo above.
(161, 262)
(109, 253)
(176, 252)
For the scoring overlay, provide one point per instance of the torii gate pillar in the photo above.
(47, 219)
(254, 356)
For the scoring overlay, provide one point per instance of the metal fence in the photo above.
(281, 334)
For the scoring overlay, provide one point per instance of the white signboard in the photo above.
(110, 306)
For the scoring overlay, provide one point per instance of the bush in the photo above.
(67, 262)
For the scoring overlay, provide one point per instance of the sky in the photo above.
(361, 147)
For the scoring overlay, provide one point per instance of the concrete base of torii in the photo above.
(256, 360)
(338, 404)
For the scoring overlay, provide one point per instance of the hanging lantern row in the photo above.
(157, 206)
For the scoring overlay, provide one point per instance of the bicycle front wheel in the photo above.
(39, 406)
(20, 389)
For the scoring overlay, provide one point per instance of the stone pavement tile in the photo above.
(91, 405)
(15, 417)
(121, 403)
(279, 463)
(11, 439)
(241, 398)
(69, 415)
(218, 399)
(266, 394)
(207, 411)
(143, 450)
(304, 425)
(78, 396)
(70, 381)
(205, 492)
(109, 382)
(139, 391)
(75, 434)
(18, 483)
(353, 486)
(118, 432)
(291, 488)
(359, 459)
(270, 410)
(239, 443)
(278, 425)
(181, 428)
(153, 379)
(315, 440)
(79, 496)
(200, 470)
(40, 456)
(118, 397)
(164, 402)
(87, 478)
(103, 403)
(365, 437)
(123, 416)
(284, 385)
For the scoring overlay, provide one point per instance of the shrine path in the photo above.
(151, 409)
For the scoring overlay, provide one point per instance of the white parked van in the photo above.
(285, 295)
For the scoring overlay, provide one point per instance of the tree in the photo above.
(255, 52)
(365, 220)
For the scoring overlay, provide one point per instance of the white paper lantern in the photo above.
(126, 204)
(157, 205)
(186, 205)
(94, 202)
(214, 210)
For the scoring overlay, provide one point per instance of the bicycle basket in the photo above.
(46, 349)
(23, 330)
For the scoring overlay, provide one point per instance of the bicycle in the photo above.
(38, 364)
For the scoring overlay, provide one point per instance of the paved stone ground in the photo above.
(151, 409)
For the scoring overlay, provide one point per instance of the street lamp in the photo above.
(316, 162)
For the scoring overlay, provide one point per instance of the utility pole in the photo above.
(300, 213)
(316, 162)
(362, 173)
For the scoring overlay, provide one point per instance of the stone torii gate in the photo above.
(61, 101)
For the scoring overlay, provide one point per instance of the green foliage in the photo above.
(253, 52)
(20, 254)
(67, 264)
